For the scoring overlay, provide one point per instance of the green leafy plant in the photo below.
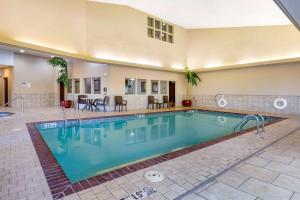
(192, 80)
(62, 66)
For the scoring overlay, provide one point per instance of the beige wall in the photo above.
(119, 73)
(58, 24)
(226, 46)
(81, 69)
(36, 71)
(280, 79)
(117, 77)
(43, 90)
(113, 77)
(89, 29)
(120, 32)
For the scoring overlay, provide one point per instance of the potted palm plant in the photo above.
(62, 79)
(192, 79)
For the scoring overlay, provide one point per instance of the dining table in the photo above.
(91, 102)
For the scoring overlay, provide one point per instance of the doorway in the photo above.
(61, 92)
(172, 89)
(5, 90)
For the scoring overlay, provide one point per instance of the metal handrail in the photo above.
(14, 99)
(62, 110)
(245, 120)
(195, 102)
(262, 122)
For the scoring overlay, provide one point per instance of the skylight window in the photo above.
(160, 30)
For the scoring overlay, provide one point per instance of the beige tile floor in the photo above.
(273, 173)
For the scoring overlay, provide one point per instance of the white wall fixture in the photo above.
(280, 103)
(222, 102)
(26, 84)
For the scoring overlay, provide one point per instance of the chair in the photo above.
(120, 102)
(166, 101)
(103, 103)
(80, 100)
(152, 101)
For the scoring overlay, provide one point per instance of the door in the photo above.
(5, 90)
(61, 92)
(172, 91)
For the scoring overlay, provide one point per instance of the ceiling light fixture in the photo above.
(22, 50)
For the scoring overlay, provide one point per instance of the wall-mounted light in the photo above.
(176, 66)
(45, 45)
(141, 61)
(212, 65)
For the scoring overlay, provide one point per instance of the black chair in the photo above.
(120, 103)
(103, 103)
(152, 101)
(80, 100)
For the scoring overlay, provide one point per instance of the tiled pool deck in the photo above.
(268, 175)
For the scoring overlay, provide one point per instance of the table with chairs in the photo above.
(101, 104)
(92, 103)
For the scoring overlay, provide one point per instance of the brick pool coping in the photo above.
(61, 186)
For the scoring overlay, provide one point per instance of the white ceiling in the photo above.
(210, 13)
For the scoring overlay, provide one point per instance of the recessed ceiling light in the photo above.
(22, 50)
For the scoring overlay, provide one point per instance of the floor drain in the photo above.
(154, 176)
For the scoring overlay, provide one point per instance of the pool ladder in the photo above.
(257, 117)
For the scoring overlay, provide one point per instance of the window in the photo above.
(154, 87)
(164, 37)
(129, 86)
(97, 85)
(142, 86)
(157, 35)
(164, 27)
(170, 29)
(160, 30)
(70, 86)
(157, 24)
(163, 87)
(150, 32)
(87, 85)
(150, 22)
(170, 38)
(77, 85)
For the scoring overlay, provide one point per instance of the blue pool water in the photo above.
(95, 146)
